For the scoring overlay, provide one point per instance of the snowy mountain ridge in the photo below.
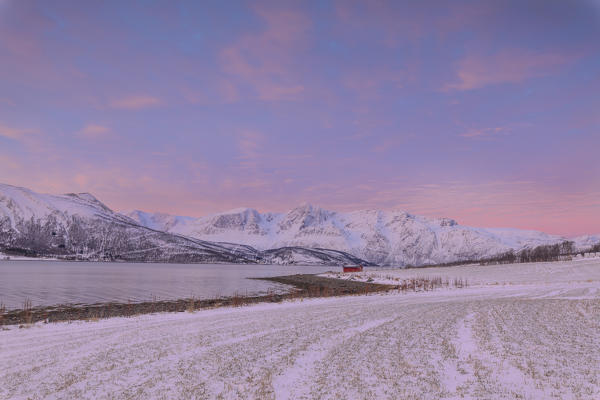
(381, 237)
(79, 226)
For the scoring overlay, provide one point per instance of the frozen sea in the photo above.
(48, 283)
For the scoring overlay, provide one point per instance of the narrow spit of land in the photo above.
(304, 286)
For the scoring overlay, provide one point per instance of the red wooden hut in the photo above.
(357, 268)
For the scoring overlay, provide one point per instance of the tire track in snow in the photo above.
(294, 382)
(455, 374)
(477, 372)
(383, 346)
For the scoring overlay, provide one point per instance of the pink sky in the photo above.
(482, 111)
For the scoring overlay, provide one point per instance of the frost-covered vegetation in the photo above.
(524, 331)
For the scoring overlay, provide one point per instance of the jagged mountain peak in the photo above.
(239, 210)
(84, 196)
(90, 199)
(304, 216)
(305, 207)
(157, 221)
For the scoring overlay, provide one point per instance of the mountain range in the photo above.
(79, 226)
(380, 237)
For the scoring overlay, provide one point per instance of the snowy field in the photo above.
(526, 331)
(578, 270)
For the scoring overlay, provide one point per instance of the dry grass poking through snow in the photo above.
(2, 312)
(530, 340)
(27, 315)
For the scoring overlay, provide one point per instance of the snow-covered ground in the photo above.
(533, 335)
(6, 257)
(578, 270)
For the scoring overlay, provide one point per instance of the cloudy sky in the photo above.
(484, 111)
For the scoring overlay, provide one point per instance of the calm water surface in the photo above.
(53, 282)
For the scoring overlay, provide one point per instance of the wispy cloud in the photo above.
(506, 66)
(7, 163)
(484, 132)
(135, 102)
(273, 91)
(249, 144)
(390, 143)
(398, 23)
(93, 131)
(265, 61)
(228, 92)
(30, 138)
(14, 133)
(370, 84)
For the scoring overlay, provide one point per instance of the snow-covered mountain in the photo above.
(381, 237)
(80, 226)
(585, 242)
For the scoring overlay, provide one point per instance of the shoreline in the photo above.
(304, 286)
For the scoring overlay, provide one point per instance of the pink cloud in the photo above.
(81, 180)
(228, 92)
(135, 102)
(23, 46)
(399, 23)
(484, 132)
(369, 81)
(356, 15)
(25, 51)
(14, 133)
(390, 143)
(94, 131)
(506, 66)
(273, 92)
(30, 138)
(7, 163)
(249, 144)
(255, 184)
(265, 61)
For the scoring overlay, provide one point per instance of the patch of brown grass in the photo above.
(191, 305)
(27, 314)
(237, 300)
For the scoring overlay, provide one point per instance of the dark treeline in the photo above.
(545, 253)
(550, 252)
